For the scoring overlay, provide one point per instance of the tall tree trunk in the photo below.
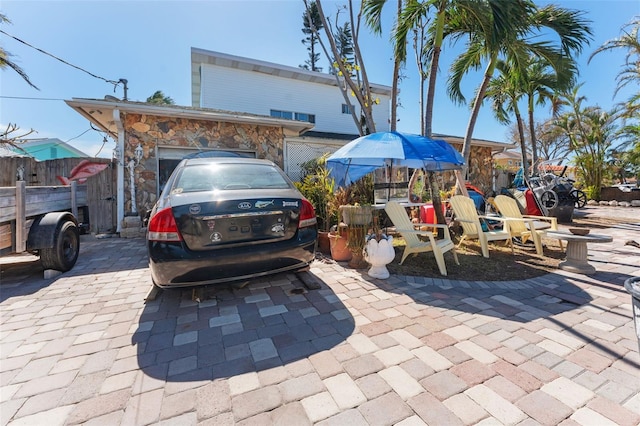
(532, 136)
(477, 103)
(428, 120)
(523, 144)
(394, 86)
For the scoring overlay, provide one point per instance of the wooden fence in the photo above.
(101, 188)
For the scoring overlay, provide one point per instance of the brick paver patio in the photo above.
(84, 347)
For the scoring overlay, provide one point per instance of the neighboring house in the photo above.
(47, 149)
(509, 160)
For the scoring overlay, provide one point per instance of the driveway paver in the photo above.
(84, 347)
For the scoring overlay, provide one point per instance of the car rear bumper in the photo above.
(172, 265)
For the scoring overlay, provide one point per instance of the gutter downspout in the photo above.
(120, 181)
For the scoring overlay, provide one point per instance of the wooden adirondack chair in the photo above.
(525, 226)
(468, 217)
(415, 245)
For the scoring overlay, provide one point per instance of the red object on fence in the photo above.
(82, 171)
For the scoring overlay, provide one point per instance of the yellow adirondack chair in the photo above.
(469, 219)
(525, 224)
(415, 245)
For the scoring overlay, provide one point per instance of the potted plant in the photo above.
(318, 187)
(356, 213)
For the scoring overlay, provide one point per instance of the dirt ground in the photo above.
(501, 264)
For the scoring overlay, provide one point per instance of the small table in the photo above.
(576, 260)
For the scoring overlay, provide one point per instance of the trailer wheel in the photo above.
(579, 198)
(549, 199)
(66, 246)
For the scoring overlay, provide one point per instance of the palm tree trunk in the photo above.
(394, 86)
(428, 114)
(477, 103)
(532, 135)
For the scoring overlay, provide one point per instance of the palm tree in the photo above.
(6, 62)
(541, 82)
(591, 132)
(506, 29)
(505, 91)
(158, 98)
(630, 41)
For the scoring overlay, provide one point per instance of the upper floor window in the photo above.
(282, 114)
(53, 151)
(289, 115)
(346, 109)
(301, 116)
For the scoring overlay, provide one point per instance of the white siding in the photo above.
(258, 93)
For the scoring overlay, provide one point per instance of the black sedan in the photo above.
(225, 219)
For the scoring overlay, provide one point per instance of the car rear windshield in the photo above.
(205, 177)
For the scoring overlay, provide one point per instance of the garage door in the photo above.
(169, 157)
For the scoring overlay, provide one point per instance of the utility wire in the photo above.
(30, 99)
(115, 83)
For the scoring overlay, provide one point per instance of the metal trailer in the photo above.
(555, 194)
(42, 220)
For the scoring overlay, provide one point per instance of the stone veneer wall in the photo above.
(151, 131)
(480, 169)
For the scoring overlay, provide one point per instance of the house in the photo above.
(509, 160)
(255, 108)
(47, 149)
(151, 140)
(234, 83)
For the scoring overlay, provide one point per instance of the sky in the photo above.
(149, 43)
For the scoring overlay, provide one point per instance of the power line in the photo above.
(30, 99)
(115, 83)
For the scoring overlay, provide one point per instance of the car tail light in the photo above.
(307, 215)
(163, 227)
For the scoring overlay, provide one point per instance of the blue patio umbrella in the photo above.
(391, 149)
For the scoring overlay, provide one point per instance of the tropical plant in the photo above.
(159, 98)
(629, 74)
(310, 20)
(591, 131)
(318, 187)
(6, 62)
(505, 92)
(629, 41)
(509, 29)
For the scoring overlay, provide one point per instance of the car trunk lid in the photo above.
(211, 225)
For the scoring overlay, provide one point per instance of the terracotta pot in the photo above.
(324, 245)
(357, 261)
(339, 250)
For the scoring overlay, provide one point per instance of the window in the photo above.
(301, 116)
(346, 109)
(53, 151)
(282, 114)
